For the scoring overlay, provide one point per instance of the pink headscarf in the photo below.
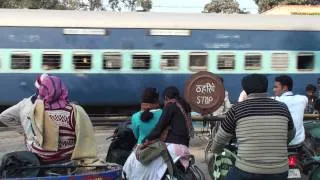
(52, 91)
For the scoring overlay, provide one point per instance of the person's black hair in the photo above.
(172, 92)
(285, 80)
(150, 95)
(34, 97)
(311, 87)
(255, 83)
(221, 79)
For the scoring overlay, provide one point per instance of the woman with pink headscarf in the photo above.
(53, 92)
(56, 114)
(53, 127)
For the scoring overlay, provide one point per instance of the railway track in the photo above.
(100, 120)
(108, 120)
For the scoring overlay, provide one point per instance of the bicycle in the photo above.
(219, 164)
(213, 128)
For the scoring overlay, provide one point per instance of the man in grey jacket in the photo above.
(17, 116)
(263, 127)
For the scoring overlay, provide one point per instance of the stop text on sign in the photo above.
(204, 93)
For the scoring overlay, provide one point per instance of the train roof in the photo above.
(98, 19)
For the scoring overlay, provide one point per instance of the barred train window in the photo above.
(51, 60)
(305, 61)
(141, 61)
(280, 61)
(82, 61)
(20, 61)
(226, 61)
(198, 61)
(112, 61)
(170, 61)
(253, 61)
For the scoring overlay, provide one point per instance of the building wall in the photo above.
(294, 9)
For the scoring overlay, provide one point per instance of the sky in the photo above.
(194, 6)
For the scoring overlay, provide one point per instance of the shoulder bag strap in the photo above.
(187, 118)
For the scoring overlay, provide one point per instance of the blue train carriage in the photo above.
(107, 59)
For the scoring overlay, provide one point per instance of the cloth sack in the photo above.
(12, 162)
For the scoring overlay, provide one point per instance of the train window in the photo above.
(170, 61)
(111, 61)
(280, 61)
(20, 61)
(51, 60)
(253, 61)
(226, 61)
(305, 61)
(141, 61)
(198, 61)
(82, 61)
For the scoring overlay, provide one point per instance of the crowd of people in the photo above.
(58, 131)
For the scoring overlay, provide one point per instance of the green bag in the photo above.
(151, 150)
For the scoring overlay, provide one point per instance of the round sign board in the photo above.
(204, 92)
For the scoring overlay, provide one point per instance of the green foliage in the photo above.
(95, 5)
(265, 5)
(51, 4)
(13, 4)
(31, 4)
(223, 6)
(44, 4)
(227, 161)
(117, 5)
(224, 172)
(222, 164)
(114, 5)
(216, 174)
(73, 4)
(145, 4)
